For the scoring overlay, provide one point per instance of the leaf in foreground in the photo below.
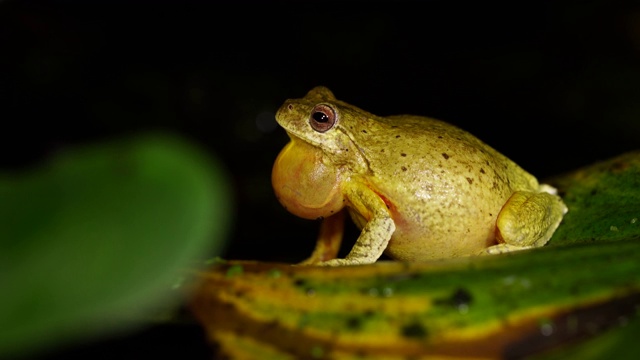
(95, 239)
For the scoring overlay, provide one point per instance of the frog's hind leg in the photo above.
(528, 219)
(329, 240)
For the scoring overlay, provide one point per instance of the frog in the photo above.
(417, 188)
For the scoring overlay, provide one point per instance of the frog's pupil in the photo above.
(320, 117)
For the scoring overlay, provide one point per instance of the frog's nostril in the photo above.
(290, 107)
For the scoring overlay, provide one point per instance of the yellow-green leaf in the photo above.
(585, 283)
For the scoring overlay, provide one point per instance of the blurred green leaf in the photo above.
(95, 239)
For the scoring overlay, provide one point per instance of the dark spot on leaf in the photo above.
(354, 323)
(414, 330)
(460, 297)
(445, 156)
(368, 313)
(490, 214)
(593, 192)
(619, 166)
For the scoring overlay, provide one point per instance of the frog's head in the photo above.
(327, 124)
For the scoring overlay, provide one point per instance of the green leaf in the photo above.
(96, 238)
(603, 201)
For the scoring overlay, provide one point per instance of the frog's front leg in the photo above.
(528, 220)
(376, 233)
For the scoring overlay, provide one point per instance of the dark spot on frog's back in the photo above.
(445, 156)
(364, 131)
(397, 136)
(403, 154)
(470, 180)
(482, 171)
(404, 168)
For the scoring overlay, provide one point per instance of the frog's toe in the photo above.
(502, 248)
(548, 189)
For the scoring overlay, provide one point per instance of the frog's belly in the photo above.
(442, 237)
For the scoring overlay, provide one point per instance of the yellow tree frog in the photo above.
(418, 188)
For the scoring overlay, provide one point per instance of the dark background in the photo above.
(554, 86)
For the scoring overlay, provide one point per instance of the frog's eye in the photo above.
(322, 118)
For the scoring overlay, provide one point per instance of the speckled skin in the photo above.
(418, 187)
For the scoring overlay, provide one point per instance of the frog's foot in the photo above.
(345, 262)
(502, 248)
(529, 219)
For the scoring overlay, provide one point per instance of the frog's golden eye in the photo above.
(322, 118)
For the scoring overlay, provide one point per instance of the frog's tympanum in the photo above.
(418, 188)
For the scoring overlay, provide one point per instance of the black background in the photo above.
(553, 85)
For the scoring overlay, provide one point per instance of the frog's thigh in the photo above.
(528, 219)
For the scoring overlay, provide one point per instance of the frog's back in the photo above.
(406, 146)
